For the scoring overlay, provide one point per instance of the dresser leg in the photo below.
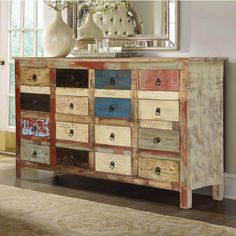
(185, 197)
(18, 167)
(218, 192)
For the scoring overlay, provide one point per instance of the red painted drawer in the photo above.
(163, 80)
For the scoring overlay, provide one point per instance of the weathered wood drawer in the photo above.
(159, 80)
(72, 105)
(113, 79)
(113, 163)
(35, 153)
(113, 135)
(72, 157)
(113, 108)
(159, 110)
(163, 170)
(72, 131)
(157, 139)
(35, 127)
(73, 78)
(35, 102)
(35, 77)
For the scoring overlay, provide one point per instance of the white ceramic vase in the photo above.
(89, 29)
(58, 39)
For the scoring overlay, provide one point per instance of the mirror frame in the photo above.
(73, 23)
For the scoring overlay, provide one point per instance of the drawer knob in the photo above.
(111, 108)
(71, 106)
(112, 81)
(156, 140)
(34, 154)
(71, 133)
(34, 77)
(112, 164)
(158, 111)
(34, 129)
(158, 82)
(158, 170)
(35, 101)
(112, 136)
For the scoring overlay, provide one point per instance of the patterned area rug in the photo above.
(26, 212)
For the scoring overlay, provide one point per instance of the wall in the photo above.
(208, 28)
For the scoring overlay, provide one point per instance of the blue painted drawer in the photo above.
(113, 79)
(113, 107)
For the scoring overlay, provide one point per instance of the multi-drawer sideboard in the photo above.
(149, 121)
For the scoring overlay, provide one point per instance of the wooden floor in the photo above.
(120, 194)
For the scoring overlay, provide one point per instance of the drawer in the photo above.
(163, 170)
(113, 79)
(113, 108)
(35, 102)
(157, 139)
(35, 77)
(72, 157)
(159, 80)
(72, 131)
(72, 105)
(113, 163)
(73, 78)
(113, 135)
(35, 127)
(35, 153)
(159, 110)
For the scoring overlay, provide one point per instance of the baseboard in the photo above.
(230, 187)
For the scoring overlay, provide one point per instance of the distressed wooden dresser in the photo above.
(149, 121)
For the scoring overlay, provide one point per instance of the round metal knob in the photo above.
(111, 108)
(156, 140)
(157, 170)
(112, 164)
(34, 154)
(158, 82)
(158, 111)
(112, 81)
(71, 133)
(112, 136)
(34, 77)
(71, 106)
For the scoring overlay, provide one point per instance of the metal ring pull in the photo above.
(34, 129)
(71, 106)
(71, 133)
(157, 170)
(158, 111)
(34, 77)
(34, 154)
(156, 140)
(112, 81)
(112, 164)
(158, 82)
(111, 108)
(112, 136)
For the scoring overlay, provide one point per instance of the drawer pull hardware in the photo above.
(34, 129)
(35, 101)
(71, 106)
(158, 111)
(112, 137)
(158, 170)
(71, 133)
(111, 108)
(112, 164)
(34, 77)
(34, 154)
(158, 82)
(156, 140)
(112, 81)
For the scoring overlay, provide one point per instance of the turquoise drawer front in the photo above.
(113, 108)
(113, 79)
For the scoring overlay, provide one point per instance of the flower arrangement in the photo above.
(58, 5)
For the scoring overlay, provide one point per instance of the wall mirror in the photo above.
(155, 24)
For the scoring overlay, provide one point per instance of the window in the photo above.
(25, 33)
